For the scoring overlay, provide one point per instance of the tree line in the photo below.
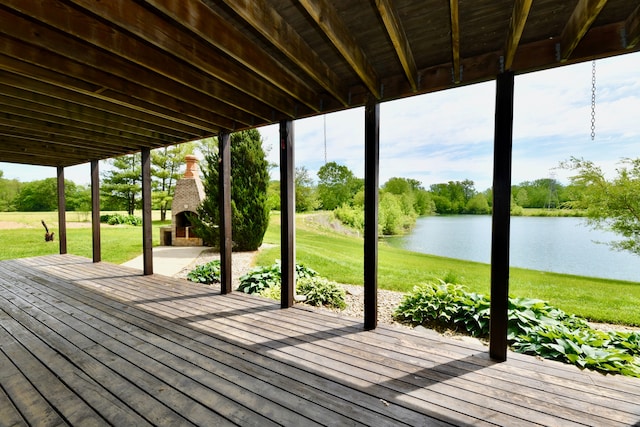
(612, 204)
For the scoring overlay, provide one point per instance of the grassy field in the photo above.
(340, 258)
(119, 243)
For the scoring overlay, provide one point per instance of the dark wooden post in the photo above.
(224, 181)
(95, 210)
(501, 216)
(62, 212)
(147, 228)
(371, 173)
(287, 214)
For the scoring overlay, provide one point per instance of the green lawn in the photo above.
(119, 243)
(340, 258)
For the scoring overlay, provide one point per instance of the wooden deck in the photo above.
(98, 344)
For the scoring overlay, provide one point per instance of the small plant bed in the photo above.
(208, 273)
(535, 327)
(317, 291)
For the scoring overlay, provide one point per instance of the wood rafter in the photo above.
(632, 28)
(202, 20)
(324, 14)
(274, 28)
(516, 27)
(399, 39)
(585, 12)
(455, 40)
(167, 57)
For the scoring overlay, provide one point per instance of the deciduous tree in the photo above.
(611, 204)
(165, 171)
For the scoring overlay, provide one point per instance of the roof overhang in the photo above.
(84, 80)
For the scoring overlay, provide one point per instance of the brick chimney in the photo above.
(187, 196)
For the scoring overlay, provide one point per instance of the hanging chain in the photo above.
(593, 100)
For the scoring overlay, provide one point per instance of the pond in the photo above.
(562, 245)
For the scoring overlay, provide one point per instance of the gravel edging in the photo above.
(388, 301)
(243, 262)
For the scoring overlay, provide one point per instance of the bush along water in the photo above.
(318, 291)
(535, 327)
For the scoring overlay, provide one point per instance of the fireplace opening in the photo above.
(184, 226)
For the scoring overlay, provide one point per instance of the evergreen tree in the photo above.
(249, 183)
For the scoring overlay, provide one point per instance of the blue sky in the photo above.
(448, 135)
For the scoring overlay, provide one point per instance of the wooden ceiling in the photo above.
(83, 80)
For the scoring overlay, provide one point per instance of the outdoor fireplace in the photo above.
(187, 196)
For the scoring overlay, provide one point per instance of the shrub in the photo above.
(446, 305)
(320, 291)
(272, 292)
(535, 327)
(116, 219)
(208, 273)
(267, 282)
(260, 278)
(350, 216)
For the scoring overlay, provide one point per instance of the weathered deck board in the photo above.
(98, 343)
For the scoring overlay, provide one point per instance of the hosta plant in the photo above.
(208, 273)
(535, 327)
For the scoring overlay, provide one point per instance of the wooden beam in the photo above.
(501, 216)
(147, 225)
(112, 106)
(38, 119)
(51, 50)
(90, 115)
(287, 214)
(62, 212)
(193, 51)
(519, 16)
(455, 40)
(206, 23)
(371, 178)
(224, 191)
(632, 28)
(266, 20)
(585, 12)
(325, 15)
(95, 211)
(399, 39)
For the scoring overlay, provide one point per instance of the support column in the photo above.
(226, 242)
(62, 212)
(371, 174)
(287, 214)
(503, 137)
(95, 210)
(147, 229)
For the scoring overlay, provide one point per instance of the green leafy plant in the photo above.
(260, 278)
(272, 293)
(535, 327)
(320, 291)
(208, 273)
